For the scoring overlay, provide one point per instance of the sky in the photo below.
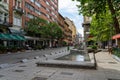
(68, 8)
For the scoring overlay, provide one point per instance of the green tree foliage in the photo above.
(98, 7)
(102, 27)
(54, 31)
(35, 26)
(41, 27)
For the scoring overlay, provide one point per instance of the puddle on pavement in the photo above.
(66, 73)
(112, 62)
(23, 66)
(113, 79)
(39, 78)
(1, 76)
(18, 71)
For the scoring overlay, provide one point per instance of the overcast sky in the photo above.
(67, 8)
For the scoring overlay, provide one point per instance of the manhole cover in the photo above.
(66, 73)
(1, 76)
(18, 70)
(113, 79)
(39, 78)
(23, 66)
(112, 62)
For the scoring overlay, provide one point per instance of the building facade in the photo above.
(67, 32)
(46, 9)
(72, 28)
(14, 15)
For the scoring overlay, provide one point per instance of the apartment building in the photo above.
(72, 28)
(46, 9)
(10, 23)
(16, 14)
(4, 16)
(67, 33)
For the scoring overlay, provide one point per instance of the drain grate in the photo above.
(23, 66)
(18, 70)
(66, 73)
(112, 62)
(113, 79)
(39, 78)
(1, 76)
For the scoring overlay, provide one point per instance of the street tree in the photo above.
(98, 7)
(102, 27)
(41, 28)
(54, 31)
(36, 27)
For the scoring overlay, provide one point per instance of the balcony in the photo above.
(18, 10)
(5, 23)
(4, 5)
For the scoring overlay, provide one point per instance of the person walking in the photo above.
(110, 50)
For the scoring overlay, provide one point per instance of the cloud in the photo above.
(69, 9)
(80, 30)
(68, 6)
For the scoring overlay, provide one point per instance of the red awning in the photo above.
(116, 36)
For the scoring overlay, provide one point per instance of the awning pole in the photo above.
(116, 41)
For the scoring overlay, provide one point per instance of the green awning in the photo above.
(22, 38)
(11, 37)
(5, 37)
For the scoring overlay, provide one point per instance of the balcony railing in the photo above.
(5, 5)
(5, 23)
(18, 9)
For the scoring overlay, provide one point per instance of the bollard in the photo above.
(68, 48)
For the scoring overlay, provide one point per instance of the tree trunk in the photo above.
(115, 20)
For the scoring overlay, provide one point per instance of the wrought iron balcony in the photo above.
(5, 23)
(4, 5)
(18, 9)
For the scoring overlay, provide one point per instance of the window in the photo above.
(5, 17)
(30, 16)
(18, 3)
(53, 13)
(47, 9)
(15, 2)
(47, 15)
(29, 7)
(47, 3)
(1, 16)
(37, 11)
(38, 4)
(17, 21)
(32, 0)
